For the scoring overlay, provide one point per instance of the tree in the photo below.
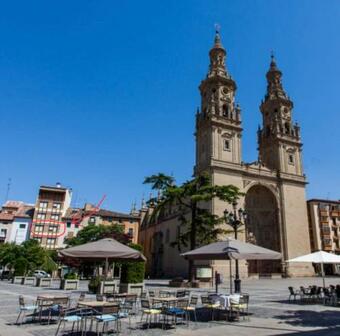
(198, 225)
(26, 257)
(94, 232)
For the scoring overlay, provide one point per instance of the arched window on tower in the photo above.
(225, 111)
(287, 128)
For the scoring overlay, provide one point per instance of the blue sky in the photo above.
(100, 94)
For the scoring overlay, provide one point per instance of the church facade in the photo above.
(273, 186)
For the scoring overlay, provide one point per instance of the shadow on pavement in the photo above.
(309, 318)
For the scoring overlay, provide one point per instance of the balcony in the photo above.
(335, 213)
(324, 213)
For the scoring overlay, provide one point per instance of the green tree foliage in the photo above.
(133, 272)
(198, 225)
(94, 232)
(26, 257)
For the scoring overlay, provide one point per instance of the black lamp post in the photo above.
(233, 218)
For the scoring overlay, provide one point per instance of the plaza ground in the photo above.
(271, 313)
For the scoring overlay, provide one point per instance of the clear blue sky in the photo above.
(100, 94)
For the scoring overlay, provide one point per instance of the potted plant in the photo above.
(132, 275)
(70, 281)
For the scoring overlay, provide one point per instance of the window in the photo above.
(291, 159)
(50, 242)
(53, 228)
(43, 205)
(3, 232)
(38, 228)
(225, 111)
(38, 240)
(55, 217)
(76, 226)
(92, 220)
(130, 232)
(57, 206)
(226, 145)
(41, 216)
(68, 225)
(22, 226)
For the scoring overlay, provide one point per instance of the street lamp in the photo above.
(234, 219)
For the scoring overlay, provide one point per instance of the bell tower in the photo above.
(218, 122)
(279, 139)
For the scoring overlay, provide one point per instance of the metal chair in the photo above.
(207, 302)
(108, 314)
(23, 309)
(70, 315)
(241, 306)
(149, 311)
(192, 306)
(100, 297)
(179, 311)
(151, 293)
(293, 293)
(180, 294)
(58, 304)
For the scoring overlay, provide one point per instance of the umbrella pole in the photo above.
(323, 275)
(106, 267)
(230, 279)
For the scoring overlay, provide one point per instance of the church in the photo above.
(273, 186)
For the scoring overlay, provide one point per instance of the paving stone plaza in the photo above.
(271, 312)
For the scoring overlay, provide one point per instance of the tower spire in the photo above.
(217, 55)
(274, 84)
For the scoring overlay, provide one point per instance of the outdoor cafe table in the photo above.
(46, 301)
(167, 301)
(52, 296)
(96, 304)
(225, 300)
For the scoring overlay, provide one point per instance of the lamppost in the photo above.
(234, 219)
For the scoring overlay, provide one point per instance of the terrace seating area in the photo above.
(329, 295)
(163, 309)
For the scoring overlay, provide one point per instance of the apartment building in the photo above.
(324, 228)
(51, 206)
(76, 219)
(15, 222)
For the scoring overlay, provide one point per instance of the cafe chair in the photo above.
(180, 311)
(24, 309)
(149, 312)
(207, 302)
(192, 306)
(70, 315)
(240, 307)
(293, 293)
(108, 314)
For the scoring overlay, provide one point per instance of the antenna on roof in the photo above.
(8, 188)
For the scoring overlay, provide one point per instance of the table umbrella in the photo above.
(320, 257)
(107, 249)
(231, 249)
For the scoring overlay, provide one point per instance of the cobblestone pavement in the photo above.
(271, 313)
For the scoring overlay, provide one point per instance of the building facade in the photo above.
(15, 222)
(324, 226)
(76, 219)
(51, 206)
(274, 185)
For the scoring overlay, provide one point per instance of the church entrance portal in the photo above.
(262, 228)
